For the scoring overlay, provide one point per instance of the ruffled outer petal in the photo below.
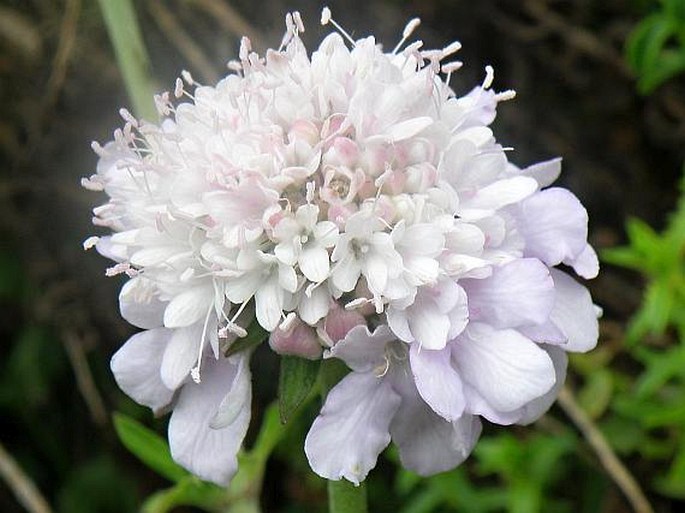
(136, 368)
(209, 453)
(181, 355)
(537, 407)
(553, 224)
(517, 294)
(437, 381)
(507, 369)
(429, 444)
(574, 314)
(189, 307)
(352, 428)
(362, 350)
(142, 314)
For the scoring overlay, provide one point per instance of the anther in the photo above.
(409, 28)
(128, 117)
(325, 16)
(178, 89)
(298, 21)
(451, 48)
(489, 77)
(509, 94)
(90, 242)
(187, 77)
(326, 19)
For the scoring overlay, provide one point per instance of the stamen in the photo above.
(288, 323)
(357, 303)
(90, 242)
(92, 183)
(298, 21)
(195, 371)
(325, 16)
(509, 94)
(128, 117)
(451, 48)
(451, 67)
(311, 187)
(489, 77)
(326, 19)
(188, 77)
(178, 89)
(408, 30)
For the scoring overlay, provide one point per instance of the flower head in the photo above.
(324, 195)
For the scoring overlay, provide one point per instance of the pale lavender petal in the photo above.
(574, 314)
(314, 307)
(553, 224)
(353, 427)
(537, 407)
(362, 350)
(545, 172)
(346, 273)
(547, 333)
(477, 405)
(437, 381)
(517, 294)
(208, 453)
(188, 307)
(427, 443)
(506, 369)
(428, 326)
(314, 264)
(136, 368)
(586, 264)
(399, 324)
(269, 304)
(238, 397)
(145, 314)
(181, 355)
(492, 197)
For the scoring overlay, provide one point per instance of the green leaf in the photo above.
(297, 377)
(124, 32)
(669, 64)
(255, 336)
(147, 446)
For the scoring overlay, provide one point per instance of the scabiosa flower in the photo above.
(356, 208)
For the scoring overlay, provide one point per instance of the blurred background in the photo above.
(598, 82)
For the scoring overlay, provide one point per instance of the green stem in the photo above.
(343, 496)
(129, 48)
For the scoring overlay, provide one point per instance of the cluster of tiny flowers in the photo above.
(356, 208)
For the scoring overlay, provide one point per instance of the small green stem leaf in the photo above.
(297, 377)
(148, 447)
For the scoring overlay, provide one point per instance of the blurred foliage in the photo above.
(656, 47)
